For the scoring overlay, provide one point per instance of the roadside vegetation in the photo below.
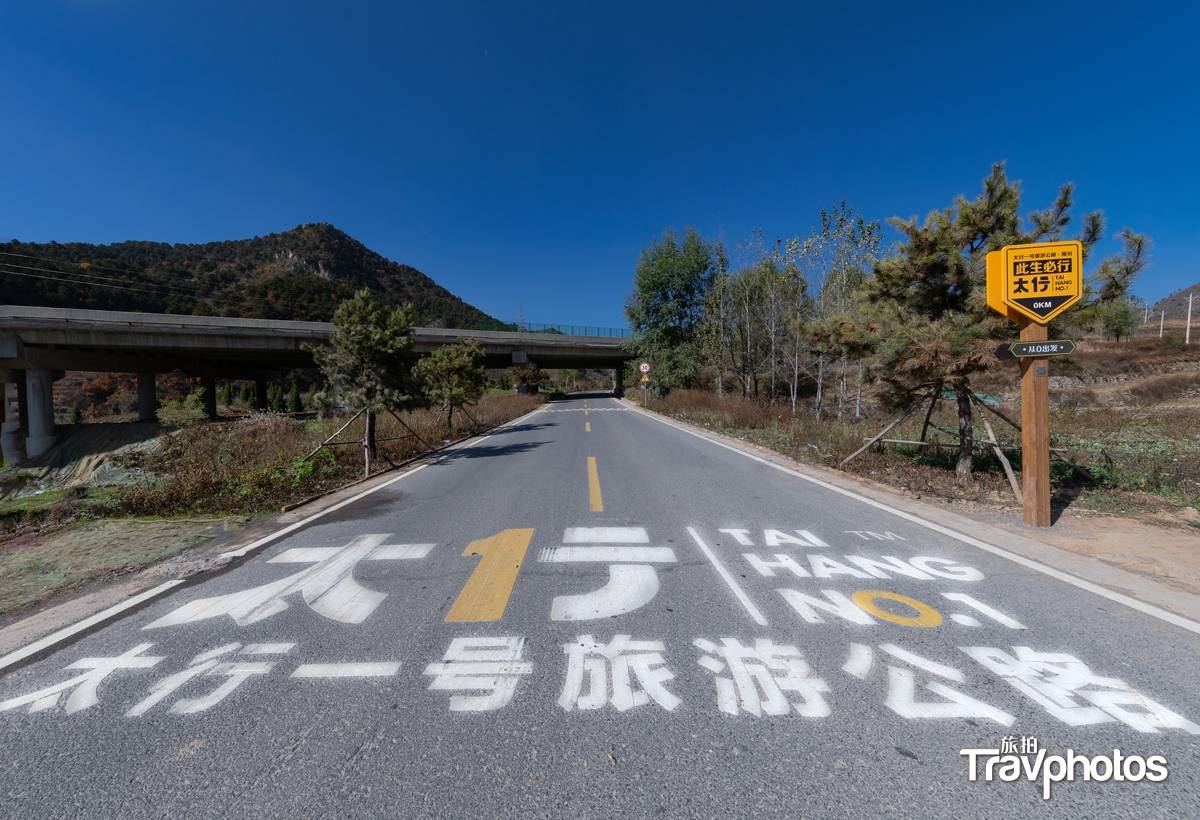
(811, 344)
(371, 404)
(1130, 461)
(261, 463)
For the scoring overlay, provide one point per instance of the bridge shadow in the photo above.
(490, 451)
(585, 394)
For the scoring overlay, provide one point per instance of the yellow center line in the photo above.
(595, 499)
(587, 427)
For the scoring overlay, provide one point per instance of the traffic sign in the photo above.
(644, 367)
(1059, 347)
(1037, 281)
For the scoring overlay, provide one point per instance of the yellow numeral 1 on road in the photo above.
(485, 594)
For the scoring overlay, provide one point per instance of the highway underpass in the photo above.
(39, 344)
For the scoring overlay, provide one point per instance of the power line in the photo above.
(163, 285)
(71, 281)
(86, 264)
(96, 280)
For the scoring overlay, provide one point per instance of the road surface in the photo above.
(594, 613)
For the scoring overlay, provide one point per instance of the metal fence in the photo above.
(571, 330)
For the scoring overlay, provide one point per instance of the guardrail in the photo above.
(571, 330)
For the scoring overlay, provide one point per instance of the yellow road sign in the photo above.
(1037, 281)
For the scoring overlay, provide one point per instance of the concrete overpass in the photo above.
(37, 344)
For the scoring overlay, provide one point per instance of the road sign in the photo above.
(1059, 347)
(1031, 285)
(644, 367)
(645, 379)
(1037, 282)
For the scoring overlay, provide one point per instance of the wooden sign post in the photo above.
(1035, 431)
(1031, 285)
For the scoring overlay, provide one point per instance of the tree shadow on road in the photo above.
(521, 428)
(491, 451)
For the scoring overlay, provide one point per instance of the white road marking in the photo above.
(629, 587)
(67, 632)
(328, 587)
(624, 673)
(625, 555)
(1029, 563)
(860, 661)
(995, 614)
(490, 667)
(385, 552)
(268, 648)
(346, 670)
(606, 535)
(724, 573)
(939, 669)
(401, 552)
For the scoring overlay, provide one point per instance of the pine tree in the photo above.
(294, 405)
(368, 359)
(452, 376)
(925, 320)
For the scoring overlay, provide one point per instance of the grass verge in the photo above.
(206, 476)
(1123, 463)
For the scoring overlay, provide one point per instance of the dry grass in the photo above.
(259, 462)
(1122, 462)
(38, 566)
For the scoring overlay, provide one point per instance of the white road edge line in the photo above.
(1065, 577)
(75, 628)
(724, 573)
(66, 632)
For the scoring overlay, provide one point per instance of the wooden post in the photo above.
(1035, 430)
(368, 443)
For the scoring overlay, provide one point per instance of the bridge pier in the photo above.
(12, 432)
(39, 402)
(210, 396)
(618, 381)
(260, 393)
(147, 401)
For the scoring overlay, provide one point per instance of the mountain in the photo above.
(1176, 304)
(298, 274)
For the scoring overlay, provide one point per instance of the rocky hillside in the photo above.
(1176, 304)
(298, 274)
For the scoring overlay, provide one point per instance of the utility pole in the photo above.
(1146, 316)
(1162, 317)
(1187, 328)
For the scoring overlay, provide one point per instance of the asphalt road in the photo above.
(594, 613)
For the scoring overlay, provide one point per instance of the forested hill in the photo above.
(298, 274)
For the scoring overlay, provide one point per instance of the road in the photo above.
(594, 613)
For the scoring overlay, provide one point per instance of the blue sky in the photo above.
(522, 154)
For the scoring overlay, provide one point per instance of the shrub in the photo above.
(182, 412)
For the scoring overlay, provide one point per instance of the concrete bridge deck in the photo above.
(37, 344)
